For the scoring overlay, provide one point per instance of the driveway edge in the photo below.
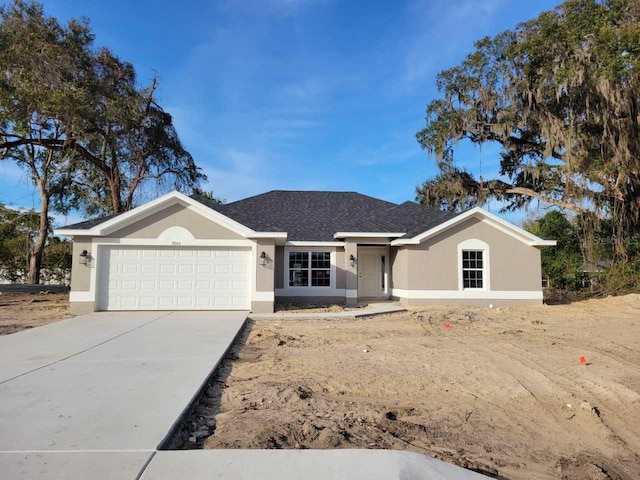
(164, 444)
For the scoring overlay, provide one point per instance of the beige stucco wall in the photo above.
(81, 274)
(340, 268)
(176, 216)
(81, 308)
(265, 278)
(261, 307)
(350, 272)
(399, 268)
(433, 265)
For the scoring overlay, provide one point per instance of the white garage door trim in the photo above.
(174, 278)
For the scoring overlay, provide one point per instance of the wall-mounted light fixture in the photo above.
(352, 260)
(84, 257)
(263, 258)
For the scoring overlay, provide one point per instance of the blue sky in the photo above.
(296, 94)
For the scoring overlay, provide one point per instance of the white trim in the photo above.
(306, 292)
(351, 293)
(156, 242)
(81, 296)
(253, 271)
(475, 244)
(72, 233)
(495, 221)
(262, 296)
(468, 294)
(369, 234)
(267, 235)
(301, 243)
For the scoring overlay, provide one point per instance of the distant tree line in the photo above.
(74, 117)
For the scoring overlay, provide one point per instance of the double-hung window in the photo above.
(472, 269)
(309, 269)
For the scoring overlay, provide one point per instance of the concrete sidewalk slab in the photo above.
(302, 465)
(28, 350)
(78, 465)
(114, 382)
(123, 405)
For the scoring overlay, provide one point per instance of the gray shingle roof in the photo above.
(317, 216)
(87, 224)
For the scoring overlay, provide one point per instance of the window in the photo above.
(472, 269)
(305, 267)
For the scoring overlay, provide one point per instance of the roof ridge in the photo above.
(313, 191)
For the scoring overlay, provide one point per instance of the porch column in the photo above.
(351, 273)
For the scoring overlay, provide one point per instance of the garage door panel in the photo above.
(147, 302)
(166, 302)
(203, 269)
(149, 269)
(148, 285)
(171, 278)
(186, 269)
(130, 268)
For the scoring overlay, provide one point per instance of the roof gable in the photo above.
(107, 225)
(495, 221)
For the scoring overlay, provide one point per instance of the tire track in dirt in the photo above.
(617, 401)
(605, 414)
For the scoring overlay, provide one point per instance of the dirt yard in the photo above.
(501, 391)
(19, 311)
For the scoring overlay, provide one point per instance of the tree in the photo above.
(560, 94)
(451, 190)
(209, 195)
(563, 264)
(74, 118)
(16, 241)
(40, 91)
(131, 144)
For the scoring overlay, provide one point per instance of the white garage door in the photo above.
(152, 278)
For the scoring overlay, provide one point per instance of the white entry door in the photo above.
(369, 274)
(171, 278)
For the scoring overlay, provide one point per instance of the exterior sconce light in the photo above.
(84, 257)
(352, 260)
(263, 258)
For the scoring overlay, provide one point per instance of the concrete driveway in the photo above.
(93, 396)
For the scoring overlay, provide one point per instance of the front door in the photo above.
(369, 273)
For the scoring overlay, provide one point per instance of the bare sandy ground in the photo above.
(501, 391)
(19, 311)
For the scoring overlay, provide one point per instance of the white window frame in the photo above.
(478, 245)
(309, 288)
